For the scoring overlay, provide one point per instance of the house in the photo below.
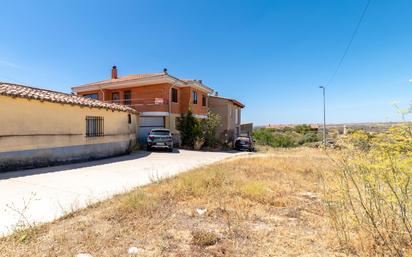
(42, 127)
(229, 111)
(159, 97)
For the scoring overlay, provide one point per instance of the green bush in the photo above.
(209, 129)
(189, 128)
(286, 137)
(195, 132)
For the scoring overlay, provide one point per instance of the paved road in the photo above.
(42, 195)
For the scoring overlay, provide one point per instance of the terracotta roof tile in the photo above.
(234, 101)
(128, 77)
(14, 90)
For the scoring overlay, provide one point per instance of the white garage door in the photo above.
(147, 123)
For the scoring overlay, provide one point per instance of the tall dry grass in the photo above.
(370, 198)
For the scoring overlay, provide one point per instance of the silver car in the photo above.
(160, 138)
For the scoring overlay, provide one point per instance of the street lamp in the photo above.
(324, 116)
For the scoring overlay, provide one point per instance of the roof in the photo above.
(141, 80)
(15, 90)
(126, 78)
(235, 102)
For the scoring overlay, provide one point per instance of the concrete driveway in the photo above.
(41, 195)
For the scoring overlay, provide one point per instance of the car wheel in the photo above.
(170, 149)
(149, 148)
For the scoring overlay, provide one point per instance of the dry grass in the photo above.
(267, 205)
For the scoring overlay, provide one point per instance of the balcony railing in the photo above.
(144, 104)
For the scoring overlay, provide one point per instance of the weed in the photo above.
(204, 238)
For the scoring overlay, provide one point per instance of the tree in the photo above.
(209, 128)
(189, 128)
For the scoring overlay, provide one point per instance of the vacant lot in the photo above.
(266, 205)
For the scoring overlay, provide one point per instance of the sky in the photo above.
(270, 55)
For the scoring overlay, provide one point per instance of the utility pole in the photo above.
(324, 116)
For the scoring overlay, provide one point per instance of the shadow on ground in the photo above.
(78, 165)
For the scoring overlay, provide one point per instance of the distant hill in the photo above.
(368, 126)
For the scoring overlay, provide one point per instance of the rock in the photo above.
(201, 211)
(135, 250)
(309, 195)
(83, 255)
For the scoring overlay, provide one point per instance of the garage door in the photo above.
(147, 123)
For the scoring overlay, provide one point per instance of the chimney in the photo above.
(114, 72)
(165, 71)
(216, 93)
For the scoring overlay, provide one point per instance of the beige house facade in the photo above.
(41, 128)
(229, 111)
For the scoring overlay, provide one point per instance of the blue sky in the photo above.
(271, 55)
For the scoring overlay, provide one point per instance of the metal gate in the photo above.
(148, 123)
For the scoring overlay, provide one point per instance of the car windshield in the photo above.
(243, 139)
(160, 132)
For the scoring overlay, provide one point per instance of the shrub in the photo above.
(370, 199)
(283, 140)
(309, 137)
(204, 238)
(263, 136)
(196, 133)
(189, 128)
(209, 128)
(303, 129)
(287, 137)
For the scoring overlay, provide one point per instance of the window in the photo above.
(129, 118)
(160, 132)
(237, 116)
(115, 97)
(174, 95)
(194, 97)
(94, 126)
(127, 98)
(92, 96)
(203, 100)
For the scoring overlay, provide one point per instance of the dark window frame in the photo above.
(90, 96)
(204, 100)
(117, 101)
(175, 97)
(129, 118)
(127, 101)
(194, 97)
(94, 126)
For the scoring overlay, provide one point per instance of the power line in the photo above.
(350, 43)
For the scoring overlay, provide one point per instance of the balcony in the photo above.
(145, 104)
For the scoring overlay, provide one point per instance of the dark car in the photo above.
(244, 143)
(160, 139)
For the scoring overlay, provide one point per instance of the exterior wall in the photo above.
(184, 99)
(170, 123)
(234, 125)
(229, 128)
(35, 133)
(246, 129)
(198, 108)
(221, 107)
(143, 98)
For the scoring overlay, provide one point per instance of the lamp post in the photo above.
(324, 115)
